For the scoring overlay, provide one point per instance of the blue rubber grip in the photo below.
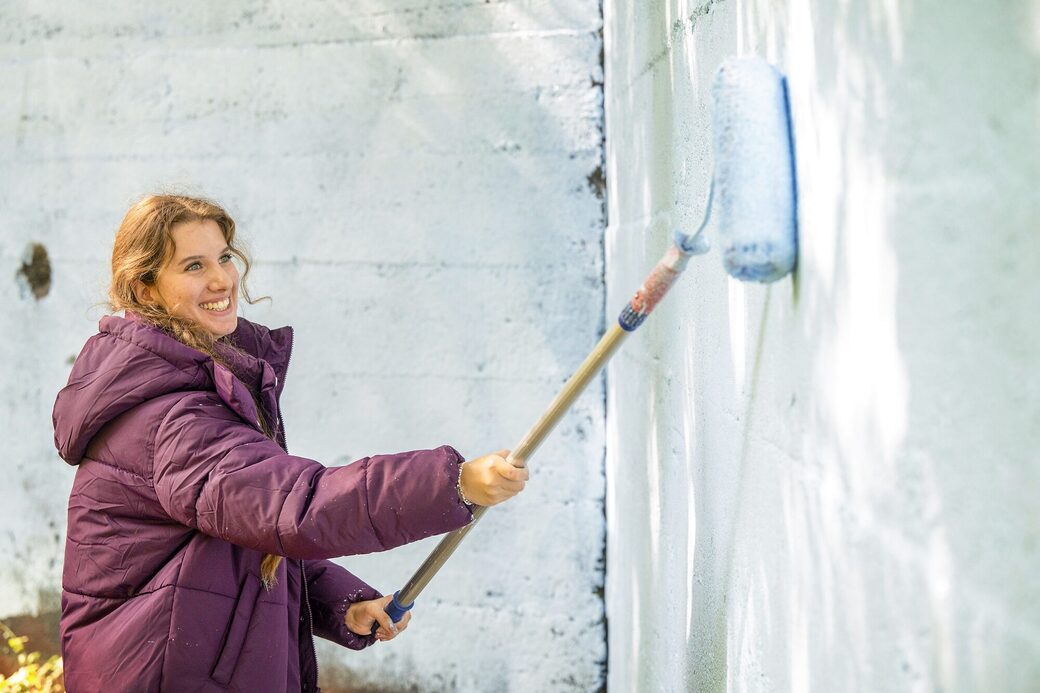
(396, 610)
(630, 319)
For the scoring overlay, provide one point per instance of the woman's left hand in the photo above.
(361, 616)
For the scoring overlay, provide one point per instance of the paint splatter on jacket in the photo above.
(177, 497)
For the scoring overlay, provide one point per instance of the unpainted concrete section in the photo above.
(418, 184)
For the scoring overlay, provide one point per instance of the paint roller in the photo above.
(753, 196)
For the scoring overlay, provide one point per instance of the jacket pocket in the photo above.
(237, 629)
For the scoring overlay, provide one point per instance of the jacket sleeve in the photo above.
(214, 473)
(332, 588)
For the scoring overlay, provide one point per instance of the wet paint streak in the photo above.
(654, 288)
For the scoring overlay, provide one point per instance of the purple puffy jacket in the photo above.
(177, 497)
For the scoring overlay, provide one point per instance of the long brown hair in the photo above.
(144, 245)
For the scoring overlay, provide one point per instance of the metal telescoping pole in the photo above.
(646, 298)
(608, 344)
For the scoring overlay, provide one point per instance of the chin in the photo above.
(220, 327)
(226, 327)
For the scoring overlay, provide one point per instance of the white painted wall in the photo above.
(413, 176)
(831, 483)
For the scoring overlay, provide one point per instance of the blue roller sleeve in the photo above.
(756, 192)
(396, 610)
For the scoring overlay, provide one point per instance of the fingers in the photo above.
(362, 616)
(491, 479)
(504, 454)
(508, 471)
(511, 487)
(503, 490)
(378, 612)
(383, 634)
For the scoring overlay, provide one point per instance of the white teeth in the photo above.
(219, 305)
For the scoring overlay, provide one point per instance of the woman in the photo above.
(197, 546)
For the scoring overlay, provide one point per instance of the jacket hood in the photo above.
(131, 361)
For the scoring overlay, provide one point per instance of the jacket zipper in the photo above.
(310, 623)
(281, 419)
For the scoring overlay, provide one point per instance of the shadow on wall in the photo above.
(665, 564)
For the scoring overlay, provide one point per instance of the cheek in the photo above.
(167, 292)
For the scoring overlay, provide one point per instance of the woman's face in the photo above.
(200, 282)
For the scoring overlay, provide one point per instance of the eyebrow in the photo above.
(226, 249)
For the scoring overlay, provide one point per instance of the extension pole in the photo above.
(652, 291)
(517, 457)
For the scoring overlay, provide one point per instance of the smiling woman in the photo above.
(171, 255)
(197, 546)
(201, 283)
(172, 266)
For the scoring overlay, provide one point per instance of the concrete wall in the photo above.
(420, 184)
(830, 483)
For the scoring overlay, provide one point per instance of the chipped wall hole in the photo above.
(34, 276)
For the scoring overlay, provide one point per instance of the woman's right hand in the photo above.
(490, 479)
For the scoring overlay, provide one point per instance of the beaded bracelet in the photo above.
(458, 487)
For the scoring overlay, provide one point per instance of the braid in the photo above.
(270, 562)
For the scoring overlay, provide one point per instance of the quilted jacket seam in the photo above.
(368, 508)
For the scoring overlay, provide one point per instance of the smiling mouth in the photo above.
(218, 306)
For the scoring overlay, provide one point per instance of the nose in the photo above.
(221, 278)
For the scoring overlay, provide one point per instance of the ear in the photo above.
(144, 293)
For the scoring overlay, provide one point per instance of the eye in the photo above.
(226, 257)
(192, 267)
